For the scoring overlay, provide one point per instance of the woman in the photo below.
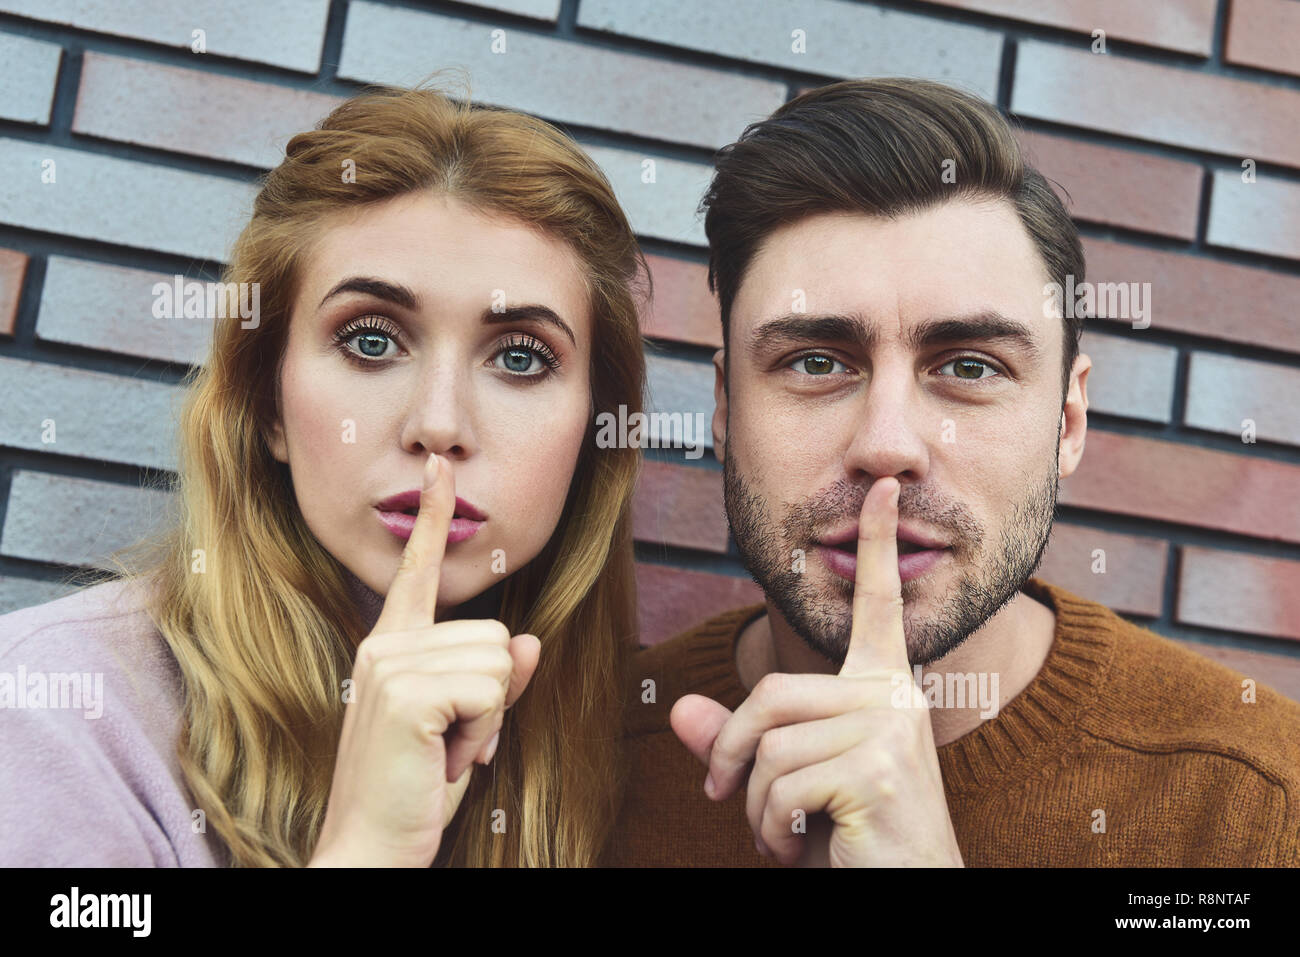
(446, 293)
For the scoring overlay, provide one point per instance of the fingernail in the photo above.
(431, 471)
(492, 748)
(759, 846)
(897, 490)
(708, 785)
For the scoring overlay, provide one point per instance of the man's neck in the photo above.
(1012, 645)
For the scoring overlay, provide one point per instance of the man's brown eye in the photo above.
(815, 364)
(970, 368)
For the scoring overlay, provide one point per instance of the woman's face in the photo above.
(424, 326)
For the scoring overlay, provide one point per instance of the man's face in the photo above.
(833, 384)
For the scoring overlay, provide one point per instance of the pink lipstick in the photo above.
(398, 512)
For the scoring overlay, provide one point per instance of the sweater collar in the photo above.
(1028, 731)
(369, 603)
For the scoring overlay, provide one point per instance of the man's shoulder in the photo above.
(700, 660)
(1200, 735)
(1162, 694)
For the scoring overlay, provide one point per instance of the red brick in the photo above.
(1278, 672)
(682, 309)
(1185, 25)
(680, 505)
(1120, 187)
(672, 600)
(1264, 34)
(1183, 107)
(1202, 296)
(1134, 579)
(1239, 592)
(13, 266)
(1188, 485)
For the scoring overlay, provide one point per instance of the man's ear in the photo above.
(720, 405)
(1074, 417)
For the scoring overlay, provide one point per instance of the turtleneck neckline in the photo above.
(367, 601)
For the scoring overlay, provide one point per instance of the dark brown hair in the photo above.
(878, 147)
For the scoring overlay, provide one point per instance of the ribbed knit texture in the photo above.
(1119, 720)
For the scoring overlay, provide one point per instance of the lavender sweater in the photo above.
(90, 699)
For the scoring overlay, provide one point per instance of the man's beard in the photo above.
(826, 621)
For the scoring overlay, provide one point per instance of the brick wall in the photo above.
(156, 148)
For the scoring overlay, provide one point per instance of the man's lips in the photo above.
(918, 552)
(906, 533)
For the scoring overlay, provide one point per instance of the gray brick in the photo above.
(75, 521)
(29, 70)
(1223, 390)
(842, 39)
(1260, 217)
(287, 33)
(96, 415)
(557, 79)
(111, 308)
(207, 114)
(537, 9)
(121, 201)
(665, 208)
(682, 386)
(16, 593)
(1133, 379)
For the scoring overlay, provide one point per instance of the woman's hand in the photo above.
(428, 702)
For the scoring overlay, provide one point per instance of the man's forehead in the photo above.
(919, 276)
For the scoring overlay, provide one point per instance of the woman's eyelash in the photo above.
(382, 326)
(349, 331)
(533, 345)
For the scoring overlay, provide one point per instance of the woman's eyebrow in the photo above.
(407, 299)
(533, 311)
(379, 288)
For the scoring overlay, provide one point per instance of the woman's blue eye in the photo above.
(818, 364)
(519, 360)
(373, 344)
(526, 357)
(967, 362)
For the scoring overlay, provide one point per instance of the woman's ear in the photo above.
(274, 436)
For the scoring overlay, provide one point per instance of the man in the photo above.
(898, 394)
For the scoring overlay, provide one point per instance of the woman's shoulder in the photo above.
(108, 606)
(95, 624)
(90, 702)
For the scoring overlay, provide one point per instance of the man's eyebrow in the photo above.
(987, 326)
(532, 311)
(379, 288)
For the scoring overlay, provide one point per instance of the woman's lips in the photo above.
(401, 525)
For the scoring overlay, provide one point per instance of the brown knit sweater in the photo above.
(1119, 719)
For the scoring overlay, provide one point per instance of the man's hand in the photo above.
(837, 743)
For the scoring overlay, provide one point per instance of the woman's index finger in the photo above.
(413, 595)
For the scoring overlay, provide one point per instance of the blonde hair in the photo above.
(266, 635)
